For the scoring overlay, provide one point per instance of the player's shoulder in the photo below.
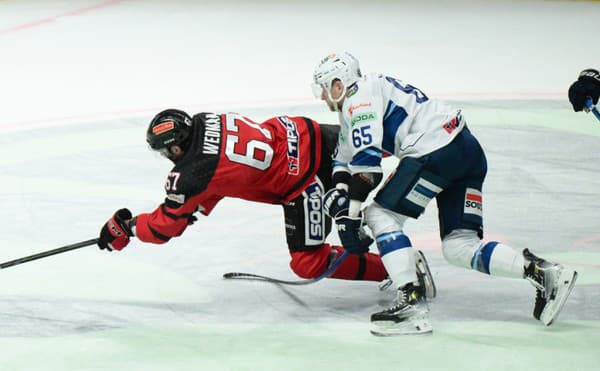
(180, 179)
(195, 170)
(292, 126)
(366, 88)
(187, 180)
(177, 188)
(205, 118)
(363, 95)
(365, 83)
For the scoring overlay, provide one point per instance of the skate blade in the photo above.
(390, 328)
(566, 283)
(424, 275)
(385, 284)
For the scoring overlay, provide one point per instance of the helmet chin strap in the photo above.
(335, 102)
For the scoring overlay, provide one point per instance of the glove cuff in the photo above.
(590, 75)
(121, 217)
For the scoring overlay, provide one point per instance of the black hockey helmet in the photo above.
(168, 128)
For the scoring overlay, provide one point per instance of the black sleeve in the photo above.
(361, 184)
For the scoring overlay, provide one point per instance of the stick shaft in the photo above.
(590, 107)
(596, 113)
(48, 253)
(258, 277)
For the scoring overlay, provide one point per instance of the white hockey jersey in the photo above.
(381, 114)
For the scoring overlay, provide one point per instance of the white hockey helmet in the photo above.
(337, 66)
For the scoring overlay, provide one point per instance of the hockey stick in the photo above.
(590, 107)
(48, 253)
(256, 277)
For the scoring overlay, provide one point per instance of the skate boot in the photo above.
(409, 316)
(553, 283)
(424, 276)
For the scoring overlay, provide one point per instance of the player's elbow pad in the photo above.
(361, 184)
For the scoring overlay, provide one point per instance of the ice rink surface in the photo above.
(81, 79)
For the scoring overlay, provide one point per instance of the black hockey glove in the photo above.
(587, 85)
(349, 231)
(115, 233)
(336, 204)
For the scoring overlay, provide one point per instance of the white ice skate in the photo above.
(410, 316)
(424, 276)
(558, 294)
(553, 283)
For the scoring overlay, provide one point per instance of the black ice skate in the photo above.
(553, 283)
(409, 316)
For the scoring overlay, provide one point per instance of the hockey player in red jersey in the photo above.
(283, 160)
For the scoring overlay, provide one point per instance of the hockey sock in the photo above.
(497, 259)
(398, 257)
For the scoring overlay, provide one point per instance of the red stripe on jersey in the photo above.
(473, 197)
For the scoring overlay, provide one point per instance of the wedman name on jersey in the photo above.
(212, 134)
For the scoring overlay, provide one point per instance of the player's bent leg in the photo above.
(553, 282)
(310, 264)
(463, 248)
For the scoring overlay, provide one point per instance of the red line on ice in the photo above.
(51, 19)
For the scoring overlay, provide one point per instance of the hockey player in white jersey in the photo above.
(439, 158)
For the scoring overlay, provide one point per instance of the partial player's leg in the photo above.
(424, 277)
(460, 211)
(311, 263)
(406, 194)
(306, 227)
(410, 313)
(552, 281)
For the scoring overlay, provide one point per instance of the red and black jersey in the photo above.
(233, 156)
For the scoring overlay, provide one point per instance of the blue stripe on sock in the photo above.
(482, 257)
(393, 241)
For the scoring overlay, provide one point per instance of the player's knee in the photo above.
(306, 267)
(381, 220)
(310, 264)
(459, 246)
